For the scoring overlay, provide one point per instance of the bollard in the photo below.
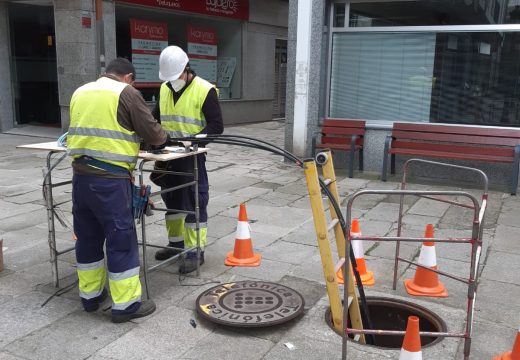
(1, 255)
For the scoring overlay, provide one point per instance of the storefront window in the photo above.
(221, 67)
(449, 77)
(445, 71)
(434, 12)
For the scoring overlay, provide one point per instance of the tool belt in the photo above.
(87, 160)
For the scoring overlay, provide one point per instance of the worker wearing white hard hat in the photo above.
(172, 62)
(187, 105)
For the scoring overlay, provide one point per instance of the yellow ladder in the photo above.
(322, 234)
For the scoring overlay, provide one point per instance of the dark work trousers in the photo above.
(184, 199)
(102, 209)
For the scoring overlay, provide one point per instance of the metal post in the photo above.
(1, 255)
(143, 234)
(49, 204)
(197, 214)
(100, 34)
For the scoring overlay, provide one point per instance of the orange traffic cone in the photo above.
(243, 253)
(513, 354)
(367, 277)
(411, 349)
(426, 282)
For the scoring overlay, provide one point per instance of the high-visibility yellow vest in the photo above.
(94, 130)
(185, 117)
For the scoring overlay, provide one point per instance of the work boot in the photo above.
(164, 254)
(189, 262)
(147, 307)
(91, 305)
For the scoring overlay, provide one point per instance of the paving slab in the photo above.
(153, 339)
(383, 212)
(498, 302)
(76, 336)
(506, 239)
(13, 223)
(288, 252)
(268, 270)
(6, 356)
(15, 283)
(502, 266)
(24, 314)
(223, 344)
(428, 207)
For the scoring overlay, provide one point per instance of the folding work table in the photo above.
(171, 153)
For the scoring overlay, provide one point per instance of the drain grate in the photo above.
(250, 304)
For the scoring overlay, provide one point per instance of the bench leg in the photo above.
(360, 159)
(392, 164)
(351, 165)
(385, 158)
(514, 172)
(352, 155)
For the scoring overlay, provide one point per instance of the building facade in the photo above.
(49, 48)
(435, 61)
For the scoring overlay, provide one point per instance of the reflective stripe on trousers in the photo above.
(175, 227)
(190, 234)
(102, 209)
(91, 279)
(125, 288)
(179, 230)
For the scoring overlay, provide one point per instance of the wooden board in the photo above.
(171, 152)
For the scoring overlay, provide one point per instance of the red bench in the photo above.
(341, 134)
(496, 145)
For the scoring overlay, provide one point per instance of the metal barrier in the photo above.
(479, 210)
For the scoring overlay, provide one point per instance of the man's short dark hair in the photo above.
(120, 66)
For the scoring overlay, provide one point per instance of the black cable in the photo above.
(362, 297)
(264, 145)
(60, 292)
(270, 147)
(251, 145)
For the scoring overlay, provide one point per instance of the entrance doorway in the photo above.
(280, 78)
(33, 64)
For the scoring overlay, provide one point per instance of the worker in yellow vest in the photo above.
(108, 119)
(187, 105)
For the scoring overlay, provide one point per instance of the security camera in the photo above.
(322, 158)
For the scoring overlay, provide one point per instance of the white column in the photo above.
(301, 82)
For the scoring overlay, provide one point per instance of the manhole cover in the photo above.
(250, 304)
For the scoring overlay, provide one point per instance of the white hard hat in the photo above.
(172, 62)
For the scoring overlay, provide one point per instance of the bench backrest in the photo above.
(456, 134)
(336, 131)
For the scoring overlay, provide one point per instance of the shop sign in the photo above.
(148, 40)
(202, 51)
(237, 9)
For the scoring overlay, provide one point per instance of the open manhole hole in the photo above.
(392, 314)
(250, 304)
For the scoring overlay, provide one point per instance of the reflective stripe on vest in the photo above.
(94, 129)
(185, 117)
